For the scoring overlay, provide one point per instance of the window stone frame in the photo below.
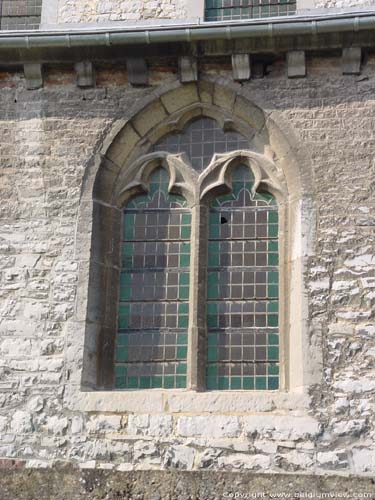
(291, 184)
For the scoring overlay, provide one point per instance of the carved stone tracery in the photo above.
(184, 180)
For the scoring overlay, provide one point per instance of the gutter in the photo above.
(272, 27)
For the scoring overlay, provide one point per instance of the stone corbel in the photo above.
(188, 67)
(85, 74)
(33, 75)
(137, 71)
(241, 67)
(351, 61)
(296, 64)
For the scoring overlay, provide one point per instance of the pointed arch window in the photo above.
(242, 288)
(151, 343)
(199, 279)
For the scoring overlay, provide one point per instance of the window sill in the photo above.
(182, 401)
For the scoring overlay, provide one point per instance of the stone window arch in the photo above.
(200, 160)
(133, 150)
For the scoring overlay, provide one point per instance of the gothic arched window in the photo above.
(151, 344)
(242, 288)
(199, 278)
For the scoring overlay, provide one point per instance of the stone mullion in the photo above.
(197, 345)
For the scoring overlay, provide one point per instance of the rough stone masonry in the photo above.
(48, 137)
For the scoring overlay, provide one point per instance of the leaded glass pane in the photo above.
(200, 140)
(226, 10)
(243, 289)
(20, 14)
(151, 344)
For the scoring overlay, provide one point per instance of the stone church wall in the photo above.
(93, 11)
(96, 11)
(49, 138)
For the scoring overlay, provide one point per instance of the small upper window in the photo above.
(20, 14)
(231, 10)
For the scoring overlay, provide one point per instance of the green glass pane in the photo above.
(273, 259)
(213, 247)
(273, 291)
(125, 293)
(125, 279)
(214, 231)
(213, 260)
(223, 383)
(127, 249)
(120, 371)
(248, 383)
(181, 352)
(182, 339)
(212, 321)
(273, 230)
(169, 382)
(123, 321)
(213, 278)
(273, 277)
(120, 383)
(184, 278)
(212, 383)
(273, 246)
(183, 321)
(184, 260)
(133, 383)
(212, 339)
(183, 292)
(273, 353)
(121, 354)
(273, 307)
(129, 232)
(186, 219)
(272, 320)
(211, 370)
(213, 292)
(212, 353)
(273, 369)
(235, 383)
(273, 383)
(260, 383)
(181, 369)
(123, 339)
(185, 248)
(273, 339)
(144, 382)
(273, 217)
(180, 382)
(156, 382)
(211, 308)
(183, 308)
(185, 232)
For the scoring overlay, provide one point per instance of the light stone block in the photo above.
(188, 68)
(241, 67)
(296, 64)
(33, 75)
(351, 60)
(211, 426)
(281, 427)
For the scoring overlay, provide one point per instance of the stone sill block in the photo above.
(169, 402)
